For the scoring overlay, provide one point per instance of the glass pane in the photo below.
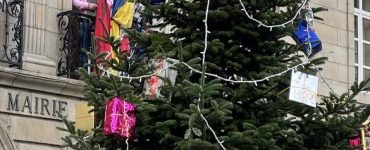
(366, 5)
(356, 73)
(366, 32)
(356, 3)
(356, 27)
(367, 55)
(366, 74)
(356, 52)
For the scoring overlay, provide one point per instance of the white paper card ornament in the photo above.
(303, 88)
(152, 84)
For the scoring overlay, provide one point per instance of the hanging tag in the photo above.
(303, 88)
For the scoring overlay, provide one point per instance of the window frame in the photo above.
(360, 64)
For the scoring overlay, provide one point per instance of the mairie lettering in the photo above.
(36, 105)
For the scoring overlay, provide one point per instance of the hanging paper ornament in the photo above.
(84, 119)
(303, 88)
(119, 118)
(153, 83)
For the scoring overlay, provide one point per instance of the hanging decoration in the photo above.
(152, 84)
(305, 35)
(303, 88)
(355, 141)
(156, 82)
(119, 118)
(125, 45)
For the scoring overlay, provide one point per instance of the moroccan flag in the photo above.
(102, 27)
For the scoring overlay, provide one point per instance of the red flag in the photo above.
(102, 27)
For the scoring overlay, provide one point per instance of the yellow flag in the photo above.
(125, 15)
(123, 18)
(115, 33)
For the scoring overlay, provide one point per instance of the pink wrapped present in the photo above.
(119, 118)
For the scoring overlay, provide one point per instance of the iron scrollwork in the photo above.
(70, 25)
(13, 10)
(63, 24)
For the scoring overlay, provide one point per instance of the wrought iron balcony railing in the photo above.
(76, 34)
(12, 34)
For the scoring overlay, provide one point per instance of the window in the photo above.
(362, 39)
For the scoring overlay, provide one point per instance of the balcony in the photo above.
(11, 34)
(76, 34)
(45, 37)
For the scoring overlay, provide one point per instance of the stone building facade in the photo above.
(336, 32)
(31, 96)
(343, 32)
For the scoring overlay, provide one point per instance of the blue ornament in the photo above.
(306, 36)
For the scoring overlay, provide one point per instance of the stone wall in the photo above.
(2, 33)
(336, 32)
(23, 124)
(28, 105)
(41, 34)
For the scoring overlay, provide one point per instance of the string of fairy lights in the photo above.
(310, 20)
(203, 74)
(241, 80)
(237, 79)
(260, 23)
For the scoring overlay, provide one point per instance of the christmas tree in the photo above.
(202, 111)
